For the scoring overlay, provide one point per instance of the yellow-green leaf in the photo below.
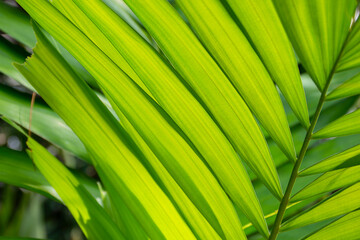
(336, 205)
(346, 125)
(196, 220)
(78, 18)
(329, 181)
(317, 30)
(349, 88)
(332, 162)
(90, 216)
(267, 35)
(115, 156)
(182, 107)
(191, 60)
(347, 227)
(351, 56)
(180, 159)
(222, 37)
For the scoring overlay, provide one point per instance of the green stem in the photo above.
(294, 174)
(295, 170)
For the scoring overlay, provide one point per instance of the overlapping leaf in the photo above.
(231, 49)
(267, 35)
(333, 162)
(351, 56)
(201, 72)
(349, 88)
(128, 16)
(329, 181)
(90, 216)
(336, 205)
(160, 80)
(346, 125)
(192, 174)
(16, 24)
(10, 53)
(45, 123)
(17, 169)
(317, 30)
(114, 155)
(346, 227)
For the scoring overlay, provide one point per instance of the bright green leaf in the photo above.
(89, 28)
(201, 72)
(338, 204)
(90, 216)
(351, 56)
(115, 156)
(128, 16)
(346, 227)
(345, 125)
(160, 80)
(332, 162)
(349, 88)
(317, 30)
(329, 181)
(165, 141)
(267, 35)
(231, 49)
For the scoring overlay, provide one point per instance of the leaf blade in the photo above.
(207, 80)
(310, 24)
(265, 31)
(349, 88)
(341, 203)
(329, 181)
(224, 40)
(92, 219)
(346, 227)
(345, 125)
(113, 154)
(332, 162)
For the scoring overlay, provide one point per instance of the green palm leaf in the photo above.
(333, 162)
(111, 152)
(346, 227)
(317, 30)
(341, 203)
(329, 181)
(233, 177)
(16, 24)
(349, 88)
(211, 85)
(169, 149)
(222, 37)
(350, 58)
(92, 219)
(191, 112)
(343, 126)
(267, 35)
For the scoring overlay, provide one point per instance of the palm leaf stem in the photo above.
(294, 174)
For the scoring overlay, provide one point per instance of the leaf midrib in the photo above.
(295, 172)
